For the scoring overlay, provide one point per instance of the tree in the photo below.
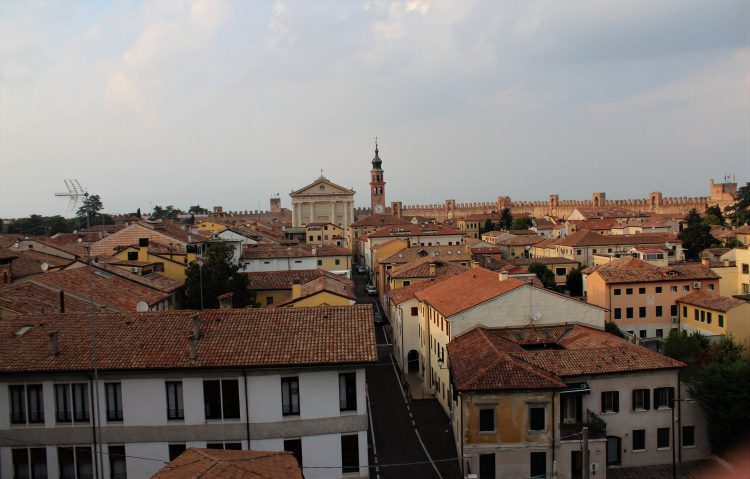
(545, 275)
(613, 328)
(167, 212)
(197, 210)
(690, 348)
(488, 226)
(138, 212)
(92, 205)
(574, 282)
(714, 216)
(733, 242)
(696, 236)
(739, 212)
(523, 223)
(723, 391)
(506, 219)
(218, 275)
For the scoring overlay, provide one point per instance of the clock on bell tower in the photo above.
(377, 185)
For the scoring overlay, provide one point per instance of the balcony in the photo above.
(597, 427)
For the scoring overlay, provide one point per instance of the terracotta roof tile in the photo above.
(466, 290)
(227, 464)
(709, 300)
(421, 229)
(325, 284)
(444, 252)
(253, 338)
(28, 298)
(275, 280)
(589, 238)
(520, 241)
(634, 270)
(421, 268)
(400, 295)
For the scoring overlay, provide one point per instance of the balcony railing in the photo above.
(597, 427)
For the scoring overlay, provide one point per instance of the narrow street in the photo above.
(407, 439)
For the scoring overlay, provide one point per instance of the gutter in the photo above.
(247, 411)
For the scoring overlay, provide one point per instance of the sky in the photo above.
(228, 103)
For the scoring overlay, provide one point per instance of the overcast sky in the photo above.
(216, 103)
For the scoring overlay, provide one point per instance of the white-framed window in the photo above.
(221, 398)
(26, 404)
(113, 395)
(29, 462)
(610, 401)
(663, 397)
(72, 402)
(175, 408)
(75, 462)
(641, 400)
(290, 396)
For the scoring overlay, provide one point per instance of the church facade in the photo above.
(323, 201)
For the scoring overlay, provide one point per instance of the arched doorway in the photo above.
(412, 359)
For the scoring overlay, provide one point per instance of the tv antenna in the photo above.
(75, 193)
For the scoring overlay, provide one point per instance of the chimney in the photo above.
(54, 347)
(62, 301)
(706, 262)
(193, 347)
(475, 264)
(143, 249)
(197, 326)
(433, 267)
(314, 250)
(296, 288)
(225, 300)
(503, 275)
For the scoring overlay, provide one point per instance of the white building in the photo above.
(172, 380)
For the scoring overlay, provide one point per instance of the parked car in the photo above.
(360, 269)
(378, 317)
(371, 290)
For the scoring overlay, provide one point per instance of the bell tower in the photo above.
(377, 185)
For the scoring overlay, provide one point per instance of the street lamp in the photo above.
(674, 443)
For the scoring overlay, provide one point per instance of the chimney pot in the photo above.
(193, 347)
(503, 275)
(197, 326)
(54, 347)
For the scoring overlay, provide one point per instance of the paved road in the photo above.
(398, 427)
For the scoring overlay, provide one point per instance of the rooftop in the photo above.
(589, 238)
(247, 338)
(421, 268)
(444, 252)
(275, 280)
(634, 270)
(267, 251)
(421, 229)
(327, 284)
(711, 300)
(227, 464)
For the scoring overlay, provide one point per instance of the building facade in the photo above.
(323, 201)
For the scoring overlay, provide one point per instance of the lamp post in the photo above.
(674, 444)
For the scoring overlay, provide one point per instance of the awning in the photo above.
(576, 388)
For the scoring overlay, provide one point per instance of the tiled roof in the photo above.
(544, 261)
(633, 270)
(481, 217)
(421, 229)
(598, 224)
(8, 239)
(25, 265)
(421, 268)
(325, 284)
(520, 241)
(275, 280)
(227, 464)
(107, 288)
(590, 212)
(547, 243)
(132, 233)
(400, 295)
(5, 253)
(27, 298)
(522, 232)
(249, 337)
(709, 300)
(155, 281)
(743, 230)
(466, 290)
(40, 258)
(714, 252)
(444, 252)
(379, 220)
(542, 357)
(589, 238)
(292, 251)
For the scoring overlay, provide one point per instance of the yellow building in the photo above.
(420, 270)
(324, 234)
(366, 226)
(324, 291)
(715, 315)
(210, 226)
(172, 264)
(273, 288)
(473, 225)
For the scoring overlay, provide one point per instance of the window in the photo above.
(697, 315)
(642, 312)
(618, 313)
(711, 287)
(132, 256)
(30, 463)
(117, 469)
(610, 401)
(688, 436)
(536, 418)
(673, 289)
(663, 397)
(686, 287)
(629, 313)
(684, 311)
(708, 317)
(295, 447)
(349, 453)
(348, 392)
(175, 450)
(641, 400)
(639, 440)
(290, 396)
(75, 462)
(269, 300)
(643, 333)
(487, 420)
(578, 252)
(641, 290)
(221, 399)
(703, 316)
(26, 404)
(407, 282)
(320, 262)
(618, 291)
(571, 408)
(230, 446)
(175, 409)
(658, 290)
(628, 290)
(114, 401)
(538, 462)
(486, 466)
(72, 402)
(659, 311)
(414, 311)
(745, 269)
(662, 438)
(673, 310)
(721, 321)
(560, 271)
(337, 262)
(659, 333)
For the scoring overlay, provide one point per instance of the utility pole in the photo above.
(585, 452)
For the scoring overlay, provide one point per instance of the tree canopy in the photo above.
(168, 211)
(739, 212)
(90, 213)
(714, 216)
(696, 236)
(218, 275)
(42, 225)
(545, 275)
(574, 282)
(506, 219)
(522, 223)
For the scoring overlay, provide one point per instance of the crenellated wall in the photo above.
(722, 194)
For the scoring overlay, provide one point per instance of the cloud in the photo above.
(277, 29)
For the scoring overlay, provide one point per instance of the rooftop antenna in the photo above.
(75, 193)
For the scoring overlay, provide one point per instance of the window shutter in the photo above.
(634, 390)
(617, 401)
(579, 409)
(604, 403)
(671, 397)
(647, 398)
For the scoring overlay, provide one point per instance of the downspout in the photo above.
(553, 429)
(247, 411)
(404, 364)
(679, 417)
(94, 414)
(461, 417)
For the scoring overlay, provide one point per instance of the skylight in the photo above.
(23, 330)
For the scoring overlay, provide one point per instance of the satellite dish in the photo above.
(141, 307)
(44, 266)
